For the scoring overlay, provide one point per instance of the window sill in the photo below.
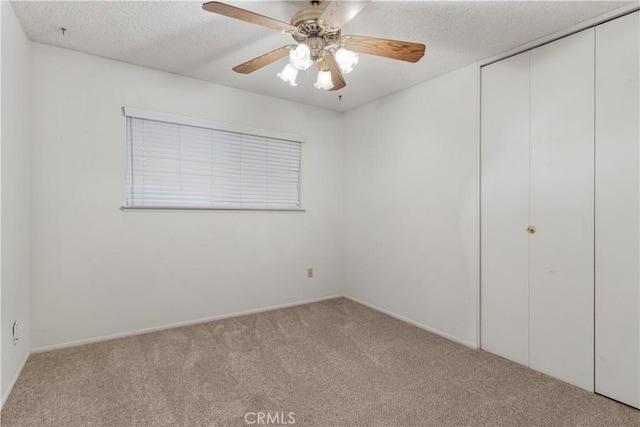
(176, 209)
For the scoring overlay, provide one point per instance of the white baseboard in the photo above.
(177, 325)
(14, 380)
(414, 323)
(244, 313)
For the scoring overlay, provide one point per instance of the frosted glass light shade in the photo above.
(346, 60)
(300, 57)
(324, 80)
(289, 74)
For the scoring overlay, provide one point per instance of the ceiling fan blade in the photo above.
(339, 12)
(263, 60)
(245, 15)
(329, 61)
(404, 51)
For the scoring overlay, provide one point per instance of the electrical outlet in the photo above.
(15, 332)
(309, 272)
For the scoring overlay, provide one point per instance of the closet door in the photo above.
(562, 205)
(505, 208)
(617, 209)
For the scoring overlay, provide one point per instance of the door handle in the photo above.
(531, 229)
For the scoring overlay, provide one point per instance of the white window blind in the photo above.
(176, 165)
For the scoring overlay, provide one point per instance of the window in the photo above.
(176, 162)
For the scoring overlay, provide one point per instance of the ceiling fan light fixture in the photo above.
(324, 80)
(300, 57)
(318, 33)
(289, 74)
(346, 60)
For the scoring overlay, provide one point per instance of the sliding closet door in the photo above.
(505, 208)
(617, 209)
(562, 205)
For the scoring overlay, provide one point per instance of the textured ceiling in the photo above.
(181, 38)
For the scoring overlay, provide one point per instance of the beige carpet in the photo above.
(334, 363)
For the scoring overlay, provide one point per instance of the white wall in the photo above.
(410, 218)
(14, 225)
(98, 271)
(401, 236)
(411, 204)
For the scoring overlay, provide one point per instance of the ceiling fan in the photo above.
(318, 34)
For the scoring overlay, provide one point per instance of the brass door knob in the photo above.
(531, 229)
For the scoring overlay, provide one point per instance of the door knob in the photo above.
(531, 229)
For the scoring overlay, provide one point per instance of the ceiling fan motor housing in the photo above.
(309, 30)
